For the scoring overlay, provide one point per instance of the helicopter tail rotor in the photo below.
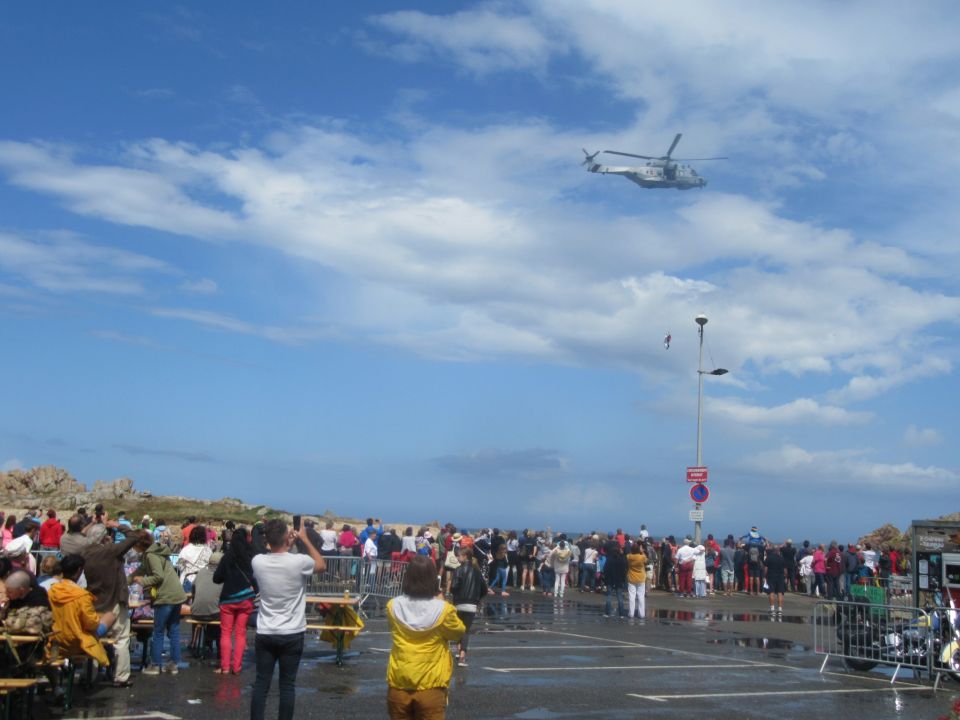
(589, 159)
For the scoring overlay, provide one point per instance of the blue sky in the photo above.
(344, 256)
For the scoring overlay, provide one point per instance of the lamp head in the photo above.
(700, 319)
(719, 371)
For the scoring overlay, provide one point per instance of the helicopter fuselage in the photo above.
(654, 174)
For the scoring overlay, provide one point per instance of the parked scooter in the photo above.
(872, 640)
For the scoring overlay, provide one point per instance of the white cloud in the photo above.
(227, 323)
(850, 467)
(491, 264)
(203, 286)
(921, 437)
(864, 387)
(120, 194)
(62, 263)
(794, 93)
(801, 410)
(480, 40)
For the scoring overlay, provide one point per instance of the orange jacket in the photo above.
(75, 621)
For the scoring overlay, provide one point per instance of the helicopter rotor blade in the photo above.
(672, 146)
(643, 157)
(589, 158)
(699, 159)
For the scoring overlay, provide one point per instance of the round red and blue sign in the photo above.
(699, 493)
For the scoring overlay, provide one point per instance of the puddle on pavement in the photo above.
(762, 643)
(537, 714)
(711, 616)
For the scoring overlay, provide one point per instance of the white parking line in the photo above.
(143, 716)
(774, 693)
(511, 648)
(625, 667)
(627, 643)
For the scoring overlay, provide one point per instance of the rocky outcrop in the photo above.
(43, 481)
(885, 537)
(49, 486)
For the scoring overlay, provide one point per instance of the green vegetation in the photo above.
(176, 509)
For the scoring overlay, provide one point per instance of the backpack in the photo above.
(754, 554)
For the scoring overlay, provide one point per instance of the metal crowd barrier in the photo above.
(866, 634)
(384, 579)
(361, 578)
(343, 574)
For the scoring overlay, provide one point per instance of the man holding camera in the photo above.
(282, 577)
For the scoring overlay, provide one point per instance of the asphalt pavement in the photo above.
(537, 658)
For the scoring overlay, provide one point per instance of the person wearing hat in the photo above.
(686, 556)
(451, 561)
(205, 594)
(18, 552)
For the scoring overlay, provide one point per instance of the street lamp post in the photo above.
(701, 320)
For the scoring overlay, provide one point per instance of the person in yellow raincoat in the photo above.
(421, 626)
(77, 627)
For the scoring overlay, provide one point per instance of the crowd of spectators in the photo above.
(100, 573)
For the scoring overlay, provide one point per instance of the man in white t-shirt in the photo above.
(281, 622)
(329, 537)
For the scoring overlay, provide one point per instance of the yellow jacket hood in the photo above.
(421, 629)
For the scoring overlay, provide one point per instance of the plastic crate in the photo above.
(876, 595)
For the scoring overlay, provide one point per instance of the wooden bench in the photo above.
(339, 632)
(12, 689)
(68, 665)
(199, 636)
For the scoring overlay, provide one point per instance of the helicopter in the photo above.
(658, 172)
